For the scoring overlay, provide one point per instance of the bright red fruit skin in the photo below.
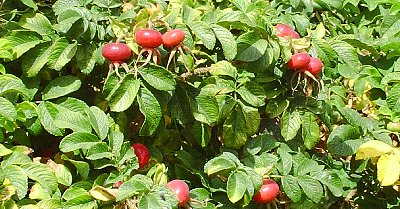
(173, 38)
(148, 38)
(267, 193)
(117, 184)
(294, 35)
(142, 154)
(314, 66)
(283, 30)
(116, 52)
(299, 61)
(181, 189)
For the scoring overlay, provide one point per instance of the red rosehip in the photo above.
(173, 38)
(299, 61)
(116, 52)
(142, 154)
(314, 66)
(267, 193)
(181, 190)
(148, 38)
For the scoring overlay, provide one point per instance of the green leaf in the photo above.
(277, 106)
(236, 186)
(354, 118)
(151, 109)
(252, 52)
(124, 94)
(203, 31)
(325, 52)
(99, 121)
(17, 177)
(7, 109)
(286, 161)
(158, 77)
(223, 68)
(6, 51)
(227, 41)
(36, 22)
(391, 77)
(136, 185)
(30, 3)
(201, 133)
(149, 201)
(37, 192)
(63, 174)
(81, 202)
(344, 141)
(78, 140)
(116, 140)
(61, 86)
(42, 174)
(49, 203)
(12, 84)
(332, 180)
(36, 58)
(81, 166)
(291, 188)
(346, 53)
(390, 26)
(23, 41)
(252, 93)
(86, 57)
(225, 162)
(205, 109)
(233, 132)
(393, 98)
(4, 151)
(72, 118)
(62, 53)
(99, 151)
(291, 123)
(310, 130)
(311, 187)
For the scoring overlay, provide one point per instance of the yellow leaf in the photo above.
(373, 148)
(103, 194)
(388, 169)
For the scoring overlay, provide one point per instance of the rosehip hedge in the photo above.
(216, 106)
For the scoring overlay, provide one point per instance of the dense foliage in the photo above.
(82, 126)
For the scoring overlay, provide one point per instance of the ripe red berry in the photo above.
(142, 154)
(286, 31)
(294, 35)
(299, 61)
(267, 193)
(117, 184)
(148, 38)
(181, 190)
(116, 52)
(173, 38)
(314, 66)
(283, 30)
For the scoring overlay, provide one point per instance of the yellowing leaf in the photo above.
(103, 194)
(388, 169)
(373, 148)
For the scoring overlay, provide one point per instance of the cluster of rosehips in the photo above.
(149, 40)
(301, 63)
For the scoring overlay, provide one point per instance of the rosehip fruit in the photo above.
(148, 38)
(173, 38)
(267, 193)
(142, 154)
(181, 190)
(116, 52)
(299, 61)
(314, 66)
